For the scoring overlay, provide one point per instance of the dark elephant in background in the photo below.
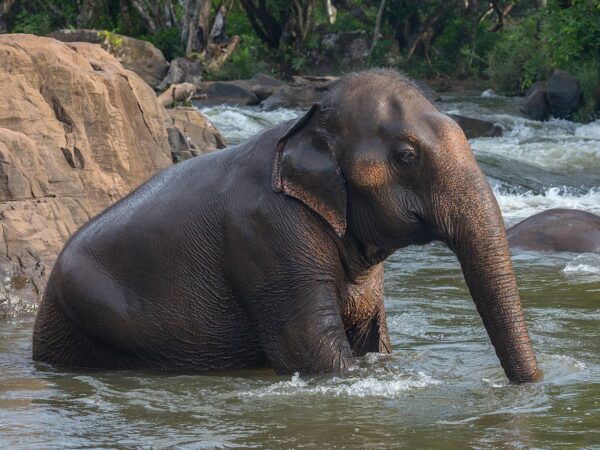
(557, 230)
(271, 253)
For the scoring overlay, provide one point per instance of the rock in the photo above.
(227, 92)
(262, 79)
(263, 92)
(263, 85)
(183, 70)
(192, 134)
(536, 106)
(563, 94)
(475, 128)
(77, 132)
(136, 55)
(181, 149)
(301, 94)
(180, 93)
(525, 177)
(538, 85)
(290, 97)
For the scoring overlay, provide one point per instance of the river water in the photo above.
(441, 388)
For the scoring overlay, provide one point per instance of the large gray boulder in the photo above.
(536, 106)
(228, 92)
(303, 92)
(563, 94)
(476, 128)
(183, 70)
(264, 85)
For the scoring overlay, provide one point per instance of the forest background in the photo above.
(507, 45)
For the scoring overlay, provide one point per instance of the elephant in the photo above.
(557, 230)
(269, 254)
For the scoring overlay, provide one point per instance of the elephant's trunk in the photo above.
(474, 229)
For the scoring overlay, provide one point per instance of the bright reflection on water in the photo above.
(442, 388)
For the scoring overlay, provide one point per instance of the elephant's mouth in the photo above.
(420, 232)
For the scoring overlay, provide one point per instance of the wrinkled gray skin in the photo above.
(557, 230)
(270, 253)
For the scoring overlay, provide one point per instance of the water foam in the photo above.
(589, 130)
(350, 387)
(239, 123)
(516, 207)
(584, 264)
(489, 93)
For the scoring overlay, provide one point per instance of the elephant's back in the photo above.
(562, 230)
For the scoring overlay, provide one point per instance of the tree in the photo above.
(5, 6)
(267, 22)
(279, 22)
(195, 31)
(156, 14)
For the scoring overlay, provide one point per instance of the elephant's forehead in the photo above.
(367, 111)
(390, 118)
(381, 102)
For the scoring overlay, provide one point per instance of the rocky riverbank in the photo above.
(78, 131)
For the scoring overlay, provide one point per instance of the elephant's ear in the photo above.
(305, 168)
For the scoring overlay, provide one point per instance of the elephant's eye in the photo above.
(406, 153)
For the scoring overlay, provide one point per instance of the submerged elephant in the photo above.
(557, 230)
(271, 253)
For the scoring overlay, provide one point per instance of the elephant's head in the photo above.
(382, 165)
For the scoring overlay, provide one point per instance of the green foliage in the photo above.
(558, 37)
(569, 34)
(449, 39)
(247, 60)
(34, 21)
(588, 78)
(516, 61)
(168, 41)
(114, 40)
(40, 24)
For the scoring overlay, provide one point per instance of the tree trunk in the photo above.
(87, 11)
(424, 35)
(146, 14)
(265, 25)
(195, 28)
(217, 33)
(220, 54)
(301, 21)
(377, 28)
(5, 6)
(354, 10)
(331, 11)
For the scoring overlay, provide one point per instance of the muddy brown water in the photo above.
(441, 388)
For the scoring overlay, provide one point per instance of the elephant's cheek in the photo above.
(368, 173)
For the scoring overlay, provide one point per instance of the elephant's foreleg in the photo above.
(302, 331)
(364, 315)
(370, 335)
